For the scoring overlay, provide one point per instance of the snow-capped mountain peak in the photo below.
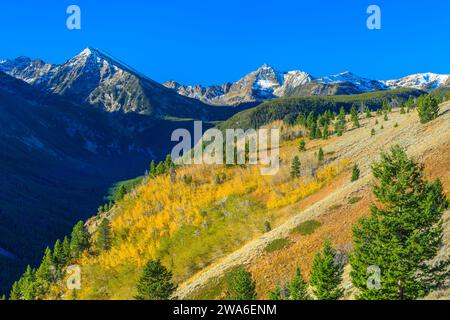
(424, 81)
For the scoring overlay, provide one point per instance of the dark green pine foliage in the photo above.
(402, 109)
(372, 132)
(325, 133)
(302, 146)
(25, 288)
(298, 288)
(320, 155)
(354, 117)
(301, 120)
(2, 298)
(79, 240)
(155, 282)
(428, 108)
(152, 172)
(46, 273)
(66, 251)
(121, 192)
(295, 168)
(313, 134)
(401, 235)
(355, 173)
(326, 274)
(241, 285)
(103, 242)
(368, 112)
(58, 255)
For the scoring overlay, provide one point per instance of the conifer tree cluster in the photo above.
(35, 283)
(163, 167)
(325, 279)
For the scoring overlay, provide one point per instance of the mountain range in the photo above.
(268, 83)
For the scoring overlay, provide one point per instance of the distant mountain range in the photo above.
(268, 83)
(95, 78)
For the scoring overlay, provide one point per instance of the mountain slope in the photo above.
(57, 160)
(204, 226)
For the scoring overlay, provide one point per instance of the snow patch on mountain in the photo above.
(424, 81)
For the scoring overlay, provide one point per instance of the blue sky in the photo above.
(207, 41)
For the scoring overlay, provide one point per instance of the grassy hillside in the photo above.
(280, 109)
(208, 220)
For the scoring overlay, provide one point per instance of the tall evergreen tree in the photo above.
(298, 288)
(368, 112)
(326, 274)
(354, 117)
(79, 240)
(295, 168)
(103, 242)
(65, 258)
(45, 274)
(155, 282)
(241, 285)
(401, 235)
(152, 172)
(58, 258)
(25, 288)
(428, 108)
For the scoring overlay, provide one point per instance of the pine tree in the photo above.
(103, 242)
(301, 120)
(368, 113)
(121, 192)
(241, 285)
(402, 109)
(79, 240)
(326, 274)
(313, 131)
(25, 288)
(325, 133)
(302, 146)
(354, 117)
(311, 120)
(372, 132)
(45, 274)
(155, 282)
(2, 298)
(355, 173)
(386, 117)
(168, 163)
(401, 235)
(428, 108)
(321, 155)
(65, 258)
(298, 288)
(295, 168)
(152, 172)
(58, 254)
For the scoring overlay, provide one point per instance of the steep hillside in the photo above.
(285, 108)
(335, 208)
(57, 161)
(206, 220)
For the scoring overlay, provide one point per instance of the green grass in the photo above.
(354, 200)
(277, 244)
(307, 227)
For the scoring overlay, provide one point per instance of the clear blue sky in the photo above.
(208, 41)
